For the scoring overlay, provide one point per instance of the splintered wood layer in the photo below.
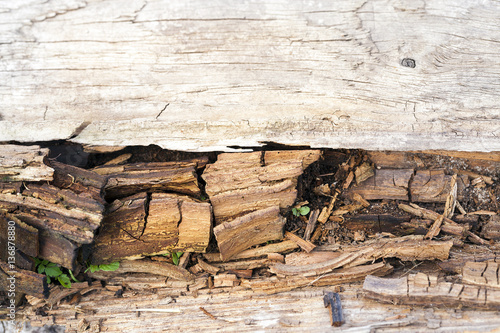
(136, 226)
(24, 163)
(251, 229)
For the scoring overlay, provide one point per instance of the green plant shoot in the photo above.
(304, 210)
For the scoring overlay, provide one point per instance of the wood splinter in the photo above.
(332, 301)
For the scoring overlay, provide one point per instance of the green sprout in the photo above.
(175, 257)
(54, 272)
(304, 210)
(106, 267)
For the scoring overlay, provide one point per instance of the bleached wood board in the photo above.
(206, 75)
(244, 311)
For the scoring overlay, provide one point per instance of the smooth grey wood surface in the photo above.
(207, 75)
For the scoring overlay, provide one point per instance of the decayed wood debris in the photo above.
(65, 217)
(247, 191)
(423, 289)
(24, 163)
(142, 225)
(127, 179)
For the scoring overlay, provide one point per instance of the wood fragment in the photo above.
(435, 186)
(414, 290)
(389, 184)
(150, 267)
(280, 247)
(327, 211)
(448, 225)
(207, 267)
(311, 224)
(26, 237)
(276, 284)
(244, 264)
(363, 172)
(22, 281)
(24, 163)
(476, 239)
(491, 230)
(249, 230)
(488, 180)
(304, 245)
(119, 160)
(226, 280)
(208, 313)
(127, 179)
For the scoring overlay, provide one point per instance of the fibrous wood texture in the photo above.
(205, 76)
(24, 163)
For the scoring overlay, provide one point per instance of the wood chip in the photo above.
(304, 245)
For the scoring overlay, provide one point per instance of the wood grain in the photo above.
(373, 74)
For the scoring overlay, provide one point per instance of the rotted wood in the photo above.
(278, 284)
(263, 180)
(79, 180)
(280, 247)
(25, 236)
(127, 179)
(406, 248)
(423, 289)
(24, 163)
(491, 230)
(248, 230)
(146, 266)
(435, 185)
(137, 226)
(22, 281)
(385, 184)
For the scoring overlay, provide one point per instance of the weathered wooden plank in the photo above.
(22, 281)
(24, 163)
(24, 237)
(365, 74)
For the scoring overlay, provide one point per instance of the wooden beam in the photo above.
(252, 73)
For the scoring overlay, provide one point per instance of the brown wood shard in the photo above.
(22, 281)
(386, 184)
(251, 229)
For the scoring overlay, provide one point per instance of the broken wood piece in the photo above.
(150, 267)
(488, 180)
(207, 267)
(248, 230)
(448, 225)
(311, 224)
(357, 197)
(389, 184)
(491, 230)
(317, 268)
(476, 239)
(244, 264)
(134, 228)
(79, 180)
(24, 237)
(276, 284)
(226, 280)
(332, 302)
(241, 183)
(280, 247)
(375, 223)
(119, 159)
(485, 273)
(303, 258)
(24, 163)
(415, 290)
(127, 179)
(363, 172)
(304, 245)
(406, 248)
(435, 186)
(15, 280)
(327, 211)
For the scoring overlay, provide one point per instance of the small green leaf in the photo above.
(110, 267)
(64, 280)
(48, 279)
(41, 269)
(37, 261)
(175, 257)
(304, 210)
(45, 262)
(53, 271)
(72, 276)
(295, 212)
